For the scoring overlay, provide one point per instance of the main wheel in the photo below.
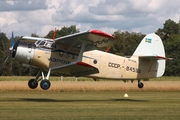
(45, 84)
(140, 85)
(32, 83)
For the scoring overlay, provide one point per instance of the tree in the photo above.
(34, 35)
(4, 53)
(170, 34)
(63, 31)
(170, 28)
(127, 42)
(172, 48)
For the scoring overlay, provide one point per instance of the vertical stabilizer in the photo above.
(151, 47)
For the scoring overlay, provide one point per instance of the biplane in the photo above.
(77, 55)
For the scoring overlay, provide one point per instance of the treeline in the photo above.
(125, 46)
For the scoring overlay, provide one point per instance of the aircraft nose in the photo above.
(23, 52)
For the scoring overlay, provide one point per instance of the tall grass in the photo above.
(52, 78)
(59, 78)
(99, 86)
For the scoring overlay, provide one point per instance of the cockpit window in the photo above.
(44, 44)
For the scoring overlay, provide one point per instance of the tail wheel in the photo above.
(45, 84)
(32, 83)
(140, 85)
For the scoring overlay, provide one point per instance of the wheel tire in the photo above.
(45, 84)
(32, 83)
(140, 85)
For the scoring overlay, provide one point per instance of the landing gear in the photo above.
(140, 84)
(32, 83)
(45, 83)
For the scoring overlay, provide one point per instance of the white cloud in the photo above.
(22, 5)
(39, 16)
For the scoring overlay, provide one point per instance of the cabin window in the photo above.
(44, 44)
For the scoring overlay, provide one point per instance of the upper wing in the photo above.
(75, 45)
(93, 37)
(34, 38)
(78, 43)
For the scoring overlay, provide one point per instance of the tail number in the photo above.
(114, 65)
(132, 69)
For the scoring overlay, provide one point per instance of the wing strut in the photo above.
(54, 35)
(107, 50)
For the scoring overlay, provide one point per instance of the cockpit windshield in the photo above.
(44, 44)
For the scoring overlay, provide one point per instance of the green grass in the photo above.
(48, 105)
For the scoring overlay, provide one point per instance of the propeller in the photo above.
(12, 42)
(6, 59)
(10, 49)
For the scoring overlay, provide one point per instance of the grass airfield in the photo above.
(90, 100)
(37, 105)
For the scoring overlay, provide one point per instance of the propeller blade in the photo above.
(12, 40)
(6, 59)
(11, 51)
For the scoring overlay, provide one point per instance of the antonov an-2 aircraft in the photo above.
(76, 55)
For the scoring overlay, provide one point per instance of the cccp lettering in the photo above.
(114, 65)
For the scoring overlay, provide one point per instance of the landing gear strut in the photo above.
(45, 83)
(140, 84)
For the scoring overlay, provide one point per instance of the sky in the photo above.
(25, 17)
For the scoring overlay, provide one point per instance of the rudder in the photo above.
(151, 45)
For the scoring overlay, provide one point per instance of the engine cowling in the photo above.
(23, 52)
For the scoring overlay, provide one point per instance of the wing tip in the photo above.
(166, 58)
(101, 33)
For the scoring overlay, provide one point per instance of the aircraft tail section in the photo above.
(152, 48)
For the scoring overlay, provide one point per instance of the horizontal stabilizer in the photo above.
(156, 57)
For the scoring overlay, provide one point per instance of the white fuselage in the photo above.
(110, 66)
(116, 67)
